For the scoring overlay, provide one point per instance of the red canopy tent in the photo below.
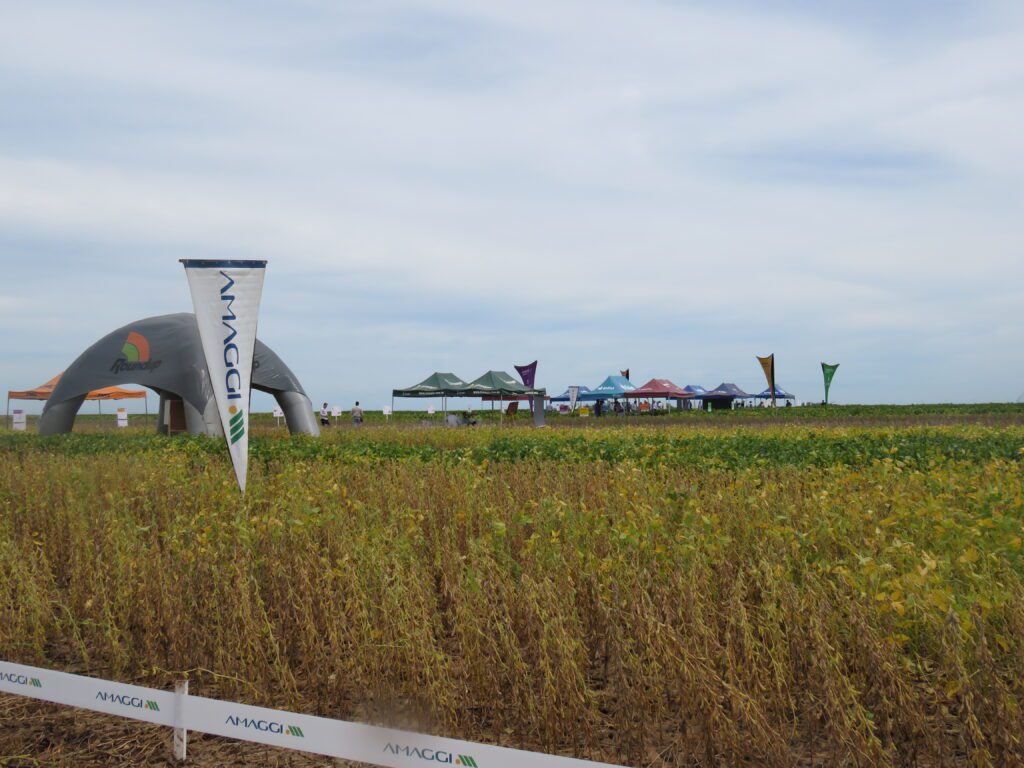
(660, 388)
(43, 392)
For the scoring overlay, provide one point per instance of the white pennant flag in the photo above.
(226, 298)
(574, 393)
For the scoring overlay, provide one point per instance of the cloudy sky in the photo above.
(669, 186)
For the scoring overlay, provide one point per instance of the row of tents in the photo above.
(619, 387)
(493, 384)
(499, 385)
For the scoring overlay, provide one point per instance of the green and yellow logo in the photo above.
(267, 726)
(128, 701)
(236, 424)
(31, 682)
(430, 755)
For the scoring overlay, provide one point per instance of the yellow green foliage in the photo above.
(638, 606)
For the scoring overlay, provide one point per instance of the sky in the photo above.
(672, 187)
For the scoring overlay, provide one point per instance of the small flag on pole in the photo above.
(574, 394)
(828, 371)
(527, 373)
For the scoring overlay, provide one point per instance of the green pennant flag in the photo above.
(828, 371)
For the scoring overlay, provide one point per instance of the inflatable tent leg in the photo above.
(298, 413)
(59, 418)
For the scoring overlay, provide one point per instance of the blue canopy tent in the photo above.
(780, 394)
(613, 386)
(722, 396)
(564, 397)
(697, 391)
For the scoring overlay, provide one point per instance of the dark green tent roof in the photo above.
(435, 385)
(498, 383)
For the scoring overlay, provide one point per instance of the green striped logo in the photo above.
(11, 677)
(266, 726)
(236, 426)
(430, 755)
(128, 701)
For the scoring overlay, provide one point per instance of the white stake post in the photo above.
(180, 733)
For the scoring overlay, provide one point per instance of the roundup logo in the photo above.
(266, 726)
(430, 755)
(135, 355)
(136, 348)
(31, 682)
(128, 701)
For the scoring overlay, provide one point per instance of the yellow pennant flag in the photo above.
(768, 366)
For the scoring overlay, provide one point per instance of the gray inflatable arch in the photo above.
(165, 354)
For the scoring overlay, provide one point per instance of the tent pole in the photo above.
(7, 418)
(392, 405)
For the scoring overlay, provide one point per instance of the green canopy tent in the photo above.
(499, 385)
(437, 384)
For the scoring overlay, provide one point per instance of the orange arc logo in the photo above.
(136, 348)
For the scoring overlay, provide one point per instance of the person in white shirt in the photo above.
(357, 414)
(325, 416)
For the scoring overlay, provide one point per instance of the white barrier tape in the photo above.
(277, 728)
(121, 699)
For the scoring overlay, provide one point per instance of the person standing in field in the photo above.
(357, 414)
(325, 416)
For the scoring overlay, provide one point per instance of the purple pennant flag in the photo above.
(527, 373)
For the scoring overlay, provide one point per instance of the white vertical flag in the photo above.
(226, 298)
(574, 393)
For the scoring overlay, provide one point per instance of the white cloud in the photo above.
(589, 163)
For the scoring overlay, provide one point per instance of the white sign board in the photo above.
(387, 410)
(19, 419)
(278, 413)
(335, 411)
(122, 418)
(430, 410)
